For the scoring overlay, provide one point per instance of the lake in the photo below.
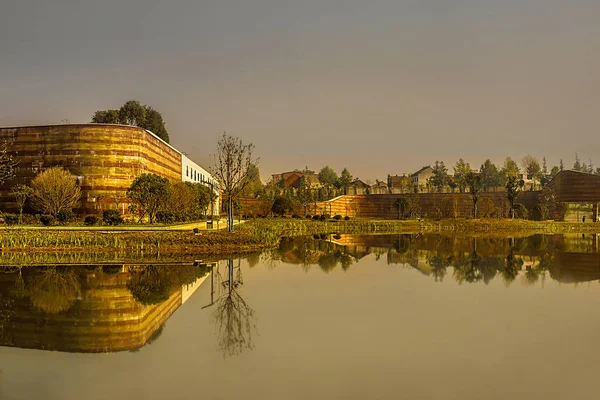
(325, 317)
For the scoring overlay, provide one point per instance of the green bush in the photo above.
(165, 217)
(90, 220)
(338, 217)
(112, 217)
(65, 216)
(308, 216)
(316, 217)
(346, 218)
(521, 211)
(11, 219)
(46, 219)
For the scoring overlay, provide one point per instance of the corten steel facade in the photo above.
(105, 159)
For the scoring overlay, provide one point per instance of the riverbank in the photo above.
(260, 234)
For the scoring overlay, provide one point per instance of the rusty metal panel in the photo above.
(104, 158)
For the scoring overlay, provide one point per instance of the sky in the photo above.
(380, 86)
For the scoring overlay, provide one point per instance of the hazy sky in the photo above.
(379, 86)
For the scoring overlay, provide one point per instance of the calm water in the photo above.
(338, 317)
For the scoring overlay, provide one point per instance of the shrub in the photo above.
(165, 217)
(521, 211)
(11, 219)
(64, 216)
(316, 217)
(308, 216)
(541, 212)
(337, 236)
(90, 220)
(46, 219)
(112, 217)
(338, 216)
(346, 218)
(111, 269)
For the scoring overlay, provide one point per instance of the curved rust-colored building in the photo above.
(104, 158)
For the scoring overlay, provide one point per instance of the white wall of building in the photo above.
(192, 172)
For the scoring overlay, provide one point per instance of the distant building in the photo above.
(421, 176)
(293, 179)
(104, 158)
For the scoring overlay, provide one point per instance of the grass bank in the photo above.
(261, 234)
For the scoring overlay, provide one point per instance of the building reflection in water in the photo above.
(94, 308)
(124, 307)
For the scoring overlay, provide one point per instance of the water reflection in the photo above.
(91, 308)
(234, 318)
(565, 258)
(117, 307)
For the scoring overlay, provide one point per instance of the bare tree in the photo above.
(7, 161)
(231, 166)
(55, 190)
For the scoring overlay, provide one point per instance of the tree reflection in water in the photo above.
(470, 259)
(54, 289)
(234, 317)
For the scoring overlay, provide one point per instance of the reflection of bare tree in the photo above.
(55, 289)
(6, 312)
(234, 317)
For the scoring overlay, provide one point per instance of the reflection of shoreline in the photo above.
(103, 317)
(567, 258)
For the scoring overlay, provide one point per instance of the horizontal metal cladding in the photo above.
(430, 204)
(576, 187)
(104, 158)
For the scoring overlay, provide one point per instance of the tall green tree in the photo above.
(475, 186)
(148, 194)
(554, 171)
(531, 165)
(153, 122)
(490, 175)
(509, 168)
(512, 191)
(329, 179)
(106, 117)
(461, 171)
(132, 113)
(440, 178)
(135, 114)
(345, 180)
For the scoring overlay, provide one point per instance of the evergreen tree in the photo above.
(440, 179)
(461, 171)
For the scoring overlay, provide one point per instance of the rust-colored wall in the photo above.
(576, 187)
(105, 158)
(459, 205)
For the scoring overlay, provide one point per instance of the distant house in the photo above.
(421, 176)
(293, 179)
(379, 187)
(397, 181)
